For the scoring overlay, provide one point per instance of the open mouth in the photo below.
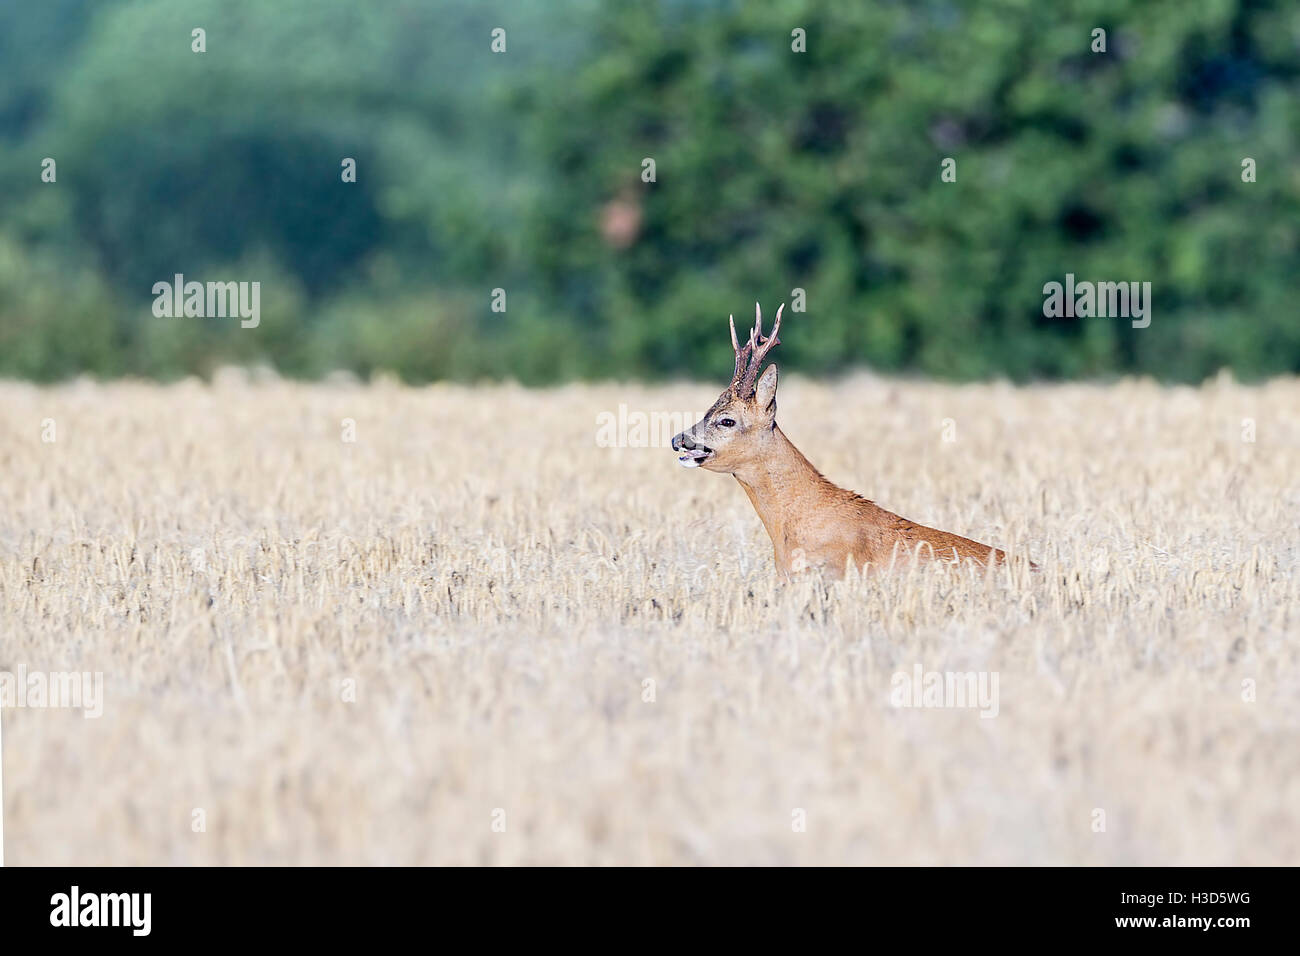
(694, 457)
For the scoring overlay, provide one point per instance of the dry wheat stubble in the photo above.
(496, 589)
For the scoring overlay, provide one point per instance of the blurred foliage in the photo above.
(775, 170)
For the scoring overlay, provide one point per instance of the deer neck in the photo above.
(781, 484)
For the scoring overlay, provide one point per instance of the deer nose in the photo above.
(683, 442)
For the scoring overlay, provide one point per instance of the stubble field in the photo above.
(474, 635)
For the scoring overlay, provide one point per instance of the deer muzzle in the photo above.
(693, 453)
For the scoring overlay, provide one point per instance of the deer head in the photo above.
(724, 439)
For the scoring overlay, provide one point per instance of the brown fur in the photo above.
(813, 523)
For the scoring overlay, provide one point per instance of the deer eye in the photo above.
(727, 422)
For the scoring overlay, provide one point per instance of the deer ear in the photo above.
(765, 390)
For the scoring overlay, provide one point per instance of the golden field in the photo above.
(432, 644)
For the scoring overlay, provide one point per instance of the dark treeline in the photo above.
(525, 171)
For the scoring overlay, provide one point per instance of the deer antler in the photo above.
(749, 359)
(742, 355)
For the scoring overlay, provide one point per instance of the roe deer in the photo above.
(812, 522)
